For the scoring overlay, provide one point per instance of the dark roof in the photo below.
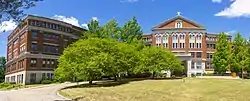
(53, 20)
(179, 17)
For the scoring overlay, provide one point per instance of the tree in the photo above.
(247, 57)
(13, 9)
(221, 56)
(238, 53)
(156, 60)
(130, 31)
(2, 68)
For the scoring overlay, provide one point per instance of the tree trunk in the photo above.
(115, 78)
(153, 75)
(90, 82)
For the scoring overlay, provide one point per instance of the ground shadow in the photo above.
(111, 83)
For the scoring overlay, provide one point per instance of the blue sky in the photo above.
(216, 15)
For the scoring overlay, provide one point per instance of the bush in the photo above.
(46, 81)
(6, 86)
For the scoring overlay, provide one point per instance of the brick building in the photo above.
(34, 47)
(188, 40)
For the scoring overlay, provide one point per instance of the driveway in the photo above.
(43, 93)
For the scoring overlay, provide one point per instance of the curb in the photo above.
(65, 99)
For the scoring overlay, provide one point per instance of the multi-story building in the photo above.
(188, 40)
(34, 47)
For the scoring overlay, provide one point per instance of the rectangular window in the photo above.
(22, 36)
(198, 54)
(34, 34)
(192, 65)
(33, 62)
(34, 47)
(44, 63)
(15, 42)
(199, 45)
(198, 65)
(180, 45)
(43, 76)
(192, 54)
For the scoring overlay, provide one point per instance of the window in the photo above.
(209, 55)
(198, 55)
(178, 24)
(192, 65)
(191, 45)
(20, 64)
(198, 65)
(198, 45)
(175, 37)
(182, 45)
(34, 47)
(44, 63)
(165, 38)
(175, 45)
(192, 54)
(182, 36)
(43, 76)
(48, 75)
(209, 65)
(158, 39)
(15, 54)
(22, 36)
(211, 46)
(158, 44)
(34, 34)
(33, 62)
(165, 45)
(16, 42)
(199, 37)
(191, 36)
(32, 77)
(22, 48)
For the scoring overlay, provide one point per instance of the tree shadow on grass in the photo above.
(112, 83)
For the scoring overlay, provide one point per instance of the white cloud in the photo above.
(217, 1)
(94, 18)
(7, 26)
(70, 20)
(238, 8)
(85, 26)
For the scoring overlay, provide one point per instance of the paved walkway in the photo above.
(43, 93)
(218, 77)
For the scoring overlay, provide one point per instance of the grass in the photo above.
(163, 90)
(7, 86)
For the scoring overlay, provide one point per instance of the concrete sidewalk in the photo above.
(43, 93)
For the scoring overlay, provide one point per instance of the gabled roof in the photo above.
(176, 18)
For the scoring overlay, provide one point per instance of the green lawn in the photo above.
(165, 90)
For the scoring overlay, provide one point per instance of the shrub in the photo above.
(46, 81)
(6, 86)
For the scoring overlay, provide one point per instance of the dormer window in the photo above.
(178, 24)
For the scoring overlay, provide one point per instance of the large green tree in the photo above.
(131, 30)
(156, 60)
(221, 56)
(13, 9)
(238, 53)
(2, 68)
